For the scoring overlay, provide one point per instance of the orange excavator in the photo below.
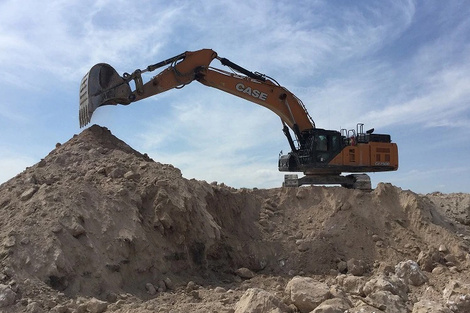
(322, 155)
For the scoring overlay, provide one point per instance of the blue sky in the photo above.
(401, 67)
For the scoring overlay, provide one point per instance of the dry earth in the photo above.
(99, 227)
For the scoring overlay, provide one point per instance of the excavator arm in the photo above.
(103, 86)
(321, 154)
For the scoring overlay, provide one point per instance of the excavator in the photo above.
(322, 155)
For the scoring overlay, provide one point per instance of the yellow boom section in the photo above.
(274, 97)
(195, 66)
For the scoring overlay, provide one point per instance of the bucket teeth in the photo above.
(84, 115)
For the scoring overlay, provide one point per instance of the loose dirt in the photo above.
(97, 226)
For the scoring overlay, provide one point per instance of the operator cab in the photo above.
(317, 147)
(322, 145)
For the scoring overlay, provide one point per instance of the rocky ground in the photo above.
(99, 227)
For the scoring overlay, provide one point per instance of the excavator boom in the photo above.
(104, 86)
(321, 154)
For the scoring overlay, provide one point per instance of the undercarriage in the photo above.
(352, 181)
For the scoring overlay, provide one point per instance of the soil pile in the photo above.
(97, 226)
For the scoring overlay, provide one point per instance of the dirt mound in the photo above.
(95, 218)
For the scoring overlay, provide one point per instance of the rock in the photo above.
(376, 238)
(342, 267)
(81, 308)
(356, 267)
(34, 307)
(131, 175)
(438, 270)
(303, 245)
(337, 291)
(299, 235)
(410, 272)
(111, 297)
(195, 294)
(386, 301)
(56, 228)
(256, 300)
(60, 309)
(117, 172)
(388, 270)
(306, 293)
(443, 248)
(7, 296)
(219, 289)
(77, 230)
(451, 260)
(169, 284)
(96, 306)
(28, 193)
(427, 306)
(335, 305)
(391, 284)
(428, 260)
(245, 273)
(333, 272)
(31, 179)
(354, 285)
(191, 286)
(10, 242)
(457, 296)
(150, 289)
(161, 286)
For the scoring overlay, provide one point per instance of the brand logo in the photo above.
(382, 163)
(252, 92)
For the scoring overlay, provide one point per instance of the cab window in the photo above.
(322, 143)
(335, 142)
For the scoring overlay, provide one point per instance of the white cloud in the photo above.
(442, 101)
(211, 121)
(65, 38)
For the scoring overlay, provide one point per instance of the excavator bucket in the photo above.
(102, 85)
